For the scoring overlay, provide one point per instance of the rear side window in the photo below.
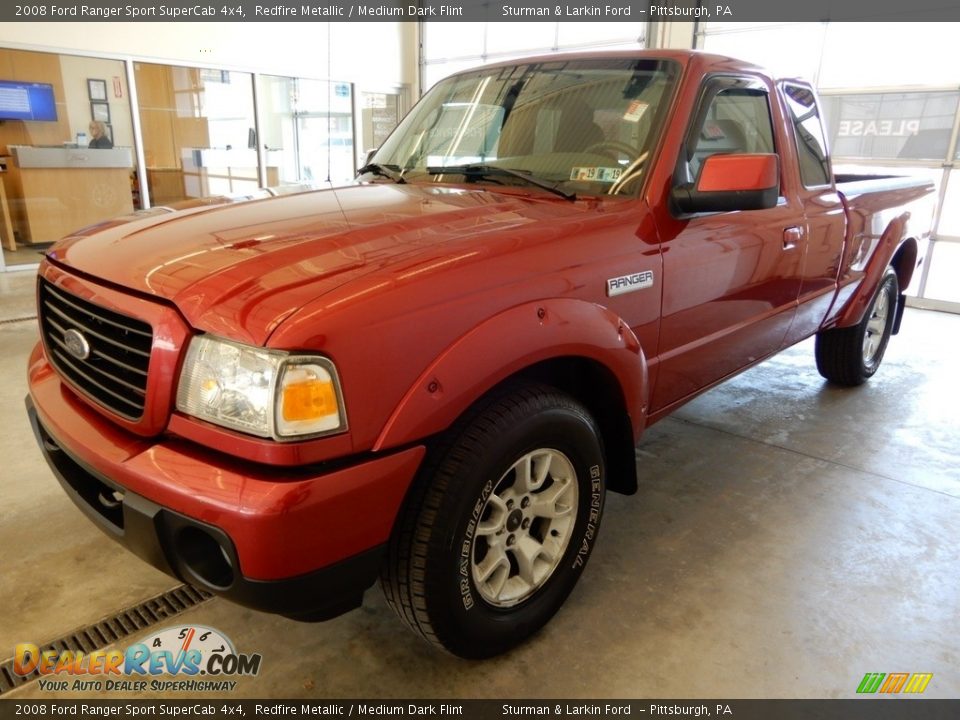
(808, 130)
(737, 120)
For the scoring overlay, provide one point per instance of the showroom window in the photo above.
(379, 115)
(69, 146)
(198, 132)
(66, 148)
(307, 128)
(879, 116)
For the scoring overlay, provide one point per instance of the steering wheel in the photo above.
(615, 145)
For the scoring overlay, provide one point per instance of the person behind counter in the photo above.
(98, 136)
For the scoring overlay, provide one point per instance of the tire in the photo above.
(474, 564)
(850, 356)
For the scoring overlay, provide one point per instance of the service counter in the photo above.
(53, 191)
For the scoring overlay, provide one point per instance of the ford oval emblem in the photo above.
(76, 344)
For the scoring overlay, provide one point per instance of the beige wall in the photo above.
(34, 67)
(75, 71)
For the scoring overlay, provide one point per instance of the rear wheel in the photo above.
(500, 524)
(850, 356)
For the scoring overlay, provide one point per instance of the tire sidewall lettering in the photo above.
(593, 518)
(590, 479)
(464, 580)
(429, 581)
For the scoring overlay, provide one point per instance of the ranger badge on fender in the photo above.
(629, 283)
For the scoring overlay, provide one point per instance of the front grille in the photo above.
(114, 371)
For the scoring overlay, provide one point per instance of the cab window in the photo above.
(734, 117)
(808, 132)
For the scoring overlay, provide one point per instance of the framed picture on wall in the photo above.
(97, 89)
(100, 111)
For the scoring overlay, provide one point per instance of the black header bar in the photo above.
(210, 709)
(477, 10)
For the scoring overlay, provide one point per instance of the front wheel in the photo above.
(500, 524)
(850, 356)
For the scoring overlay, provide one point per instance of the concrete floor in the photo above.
(788, 537)
(24, 254)
(17, 298)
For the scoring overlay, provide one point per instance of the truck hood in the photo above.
(239, 269)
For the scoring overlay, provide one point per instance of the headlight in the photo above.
(262, 392)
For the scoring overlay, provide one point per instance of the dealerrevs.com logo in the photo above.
(198, 658)
(893, 683)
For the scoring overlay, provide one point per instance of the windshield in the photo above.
(584, 126)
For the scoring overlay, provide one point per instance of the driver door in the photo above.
(730, 279)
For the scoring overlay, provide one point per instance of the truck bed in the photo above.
(853, 184)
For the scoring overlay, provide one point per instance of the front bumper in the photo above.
(300, 542)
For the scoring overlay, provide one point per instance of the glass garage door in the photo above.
(908, 133)
(450, 47)
(887, 113)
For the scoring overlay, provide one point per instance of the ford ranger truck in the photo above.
(432, 377)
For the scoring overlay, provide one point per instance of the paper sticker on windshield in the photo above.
(635, 111)
(596, 174)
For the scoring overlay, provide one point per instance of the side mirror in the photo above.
(368, 156)
(731, 182)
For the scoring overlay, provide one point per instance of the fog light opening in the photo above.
(204, 557)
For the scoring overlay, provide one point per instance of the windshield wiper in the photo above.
(478, 171)
(383, 171)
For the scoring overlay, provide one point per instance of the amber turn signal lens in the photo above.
(309, 400)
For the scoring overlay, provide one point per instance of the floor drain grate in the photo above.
(112, 629)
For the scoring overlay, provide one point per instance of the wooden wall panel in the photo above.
(29, 66)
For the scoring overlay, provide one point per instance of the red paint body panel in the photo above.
(878, 222)
(738, 172)
(280, 529)
(534, 332)
(427, 296)
(387, 329)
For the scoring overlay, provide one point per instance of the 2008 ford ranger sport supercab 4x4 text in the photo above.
(433, 376)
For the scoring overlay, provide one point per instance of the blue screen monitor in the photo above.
(27, 101)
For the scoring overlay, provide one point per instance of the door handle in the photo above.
(792, 237)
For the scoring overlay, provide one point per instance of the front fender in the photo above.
(504, 345)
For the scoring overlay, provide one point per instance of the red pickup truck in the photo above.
(432, 376)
